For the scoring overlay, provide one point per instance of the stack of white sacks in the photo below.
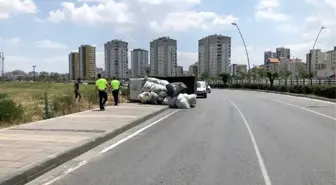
(154, 91)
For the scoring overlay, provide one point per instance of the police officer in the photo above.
(115, 85)
(101, 86)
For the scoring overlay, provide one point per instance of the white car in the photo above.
(202, 89)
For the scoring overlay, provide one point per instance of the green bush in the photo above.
(327, 91)
(9, 110)
(63, 103)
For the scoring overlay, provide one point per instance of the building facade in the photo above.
(294, 67)
(194, 70)
(283, 53)
(327, 68)
(139, 62)
(214, 54)
(74, 65)
(87, 62)
(163, 57)
(235, 69)
(179, 71)
(315, 60)
(116, 59)
(273, 65)
(267, 55)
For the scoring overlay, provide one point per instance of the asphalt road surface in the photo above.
(230, 138)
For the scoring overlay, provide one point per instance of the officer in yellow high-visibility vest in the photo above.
(101, 86)
(115, 85)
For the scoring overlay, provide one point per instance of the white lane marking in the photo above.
(260, 159)
(66, 173)
(69, 170)
(302, 108)
(136, 133)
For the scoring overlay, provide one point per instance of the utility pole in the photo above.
(247, 55)
(311, 53)
(34, 66)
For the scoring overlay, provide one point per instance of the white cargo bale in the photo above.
(182, 102)
(147, 86)
(157, 81)
(166, 101)
(154, 98)
(145, 97)
(192, 98)
(157, 88)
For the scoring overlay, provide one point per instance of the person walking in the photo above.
(115, 85)
(76, 89)
(101, 86)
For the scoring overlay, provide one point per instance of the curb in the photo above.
(290, 94)
(37, 169)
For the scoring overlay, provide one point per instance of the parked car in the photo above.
(201, 89)
(208, 88)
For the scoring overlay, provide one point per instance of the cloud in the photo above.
(182, 21)
(124, 16)
(106, 12)
(13, 41)
(50, 45)
(268, 10)
(11, 7)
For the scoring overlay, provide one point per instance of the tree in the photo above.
(284, 73)
(241, 75)
(262, 73)
(271, 77)
(225, 77)
(205, 76)
(304, 74)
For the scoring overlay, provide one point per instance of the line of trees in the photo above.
(53, 77)
(257, 74)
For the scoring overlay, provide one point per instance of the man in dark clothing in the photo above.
(76, 88)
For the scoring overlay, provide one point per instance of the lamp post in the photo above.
(311, 53)
(248, 59)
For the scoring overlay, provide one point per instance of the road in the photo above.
(231, 138)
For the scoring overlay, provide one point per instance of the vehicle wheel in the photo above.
(205, 96)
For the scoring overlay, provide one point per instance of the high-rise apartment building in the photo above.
(214, 54)
(74, 65)
(179, 71)
(87, 62)
(236, 69)
(267, 55)
(139, 61)
(116, 59)
(163, 57)
(326, 67)
(283, 53)
(194, 70)
(313, 59)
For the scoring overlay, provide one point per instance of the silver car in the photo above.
(202, 89)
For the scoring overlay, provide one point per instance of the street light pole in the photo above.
(247, 55)
(311, 55)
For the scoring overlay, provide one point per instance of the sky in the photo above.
(44, 32)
